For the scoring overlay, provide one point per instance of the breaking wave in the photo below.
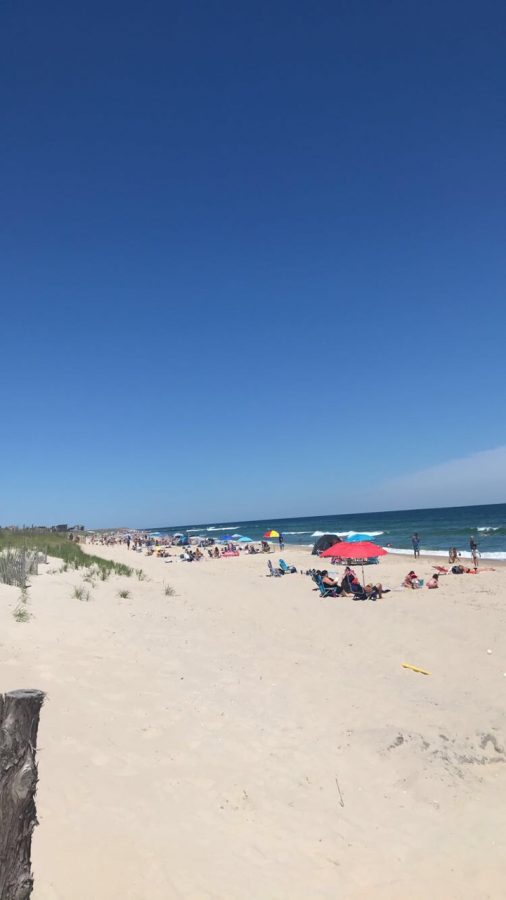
(341, 534)
(465, 554)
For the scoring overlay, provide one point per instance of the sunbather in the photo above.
(375, 591)
(329, 582)
(433, 582)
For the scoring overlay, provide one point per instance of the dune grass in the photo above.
(80, 593)
(58, 544)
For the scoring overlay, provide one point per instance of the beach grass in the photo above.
(58, 544)
(21, 614)
(81, 593)
(124, 594)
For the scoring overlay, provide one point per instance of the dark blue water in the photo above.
(438, 529)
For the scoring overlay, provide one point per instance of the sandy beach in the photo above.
(244, 739)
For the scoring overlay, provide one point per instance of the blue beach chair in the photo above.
(324, 591)
(286, 569)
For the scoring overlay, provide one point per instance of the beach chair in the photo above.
(358, 592)
(324, 591)
(285, 568)
(272, 571)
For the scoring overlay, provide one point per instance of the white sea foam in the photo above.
(341, 534)
(465, 554)
(224, 528)
(488, 528)
(298, 532)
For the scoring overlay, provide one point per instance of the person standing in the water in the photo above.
(415, 540)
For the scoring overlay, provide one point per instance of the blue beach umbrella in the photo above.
(245, 540)
(358, 537)
(226, 537)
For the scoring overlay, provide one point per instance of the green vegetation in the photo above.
(80, 593)
(21, 614)
(141, 575)
(58, 544)
(169, 591)
(124, 594)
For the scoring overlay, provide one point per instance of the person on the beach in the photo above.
(415, 540)
(349, 574)
(375, 591)
(281, 541)
(433, 582)
(356, 588)
(411, 581)
(452, 555)
(128, 539)
(473, 546)
(329, 582)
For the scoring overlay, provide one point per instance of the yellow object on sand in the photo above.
(415, 669)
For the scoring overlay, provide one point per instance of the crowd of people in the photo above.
(348, 585)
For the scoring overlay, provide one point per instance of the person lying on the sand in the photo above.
(375, 591)
(433, 582)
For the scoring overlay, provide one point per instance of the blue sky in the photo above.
(252, 257)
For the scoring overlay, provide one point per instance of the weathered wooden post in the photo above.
(19, 722)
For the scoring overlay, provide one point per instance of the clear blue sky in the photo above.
(252, 254)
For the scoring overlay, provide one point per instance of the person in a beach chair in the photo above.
(330, 583)
(349, 574)
(356, 589)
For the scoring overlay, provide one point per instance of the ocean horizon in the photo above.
(438, 528)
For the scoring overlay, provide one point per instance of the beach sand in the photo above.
(247, 740)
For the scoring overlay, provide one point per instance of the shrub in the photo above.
(80, 593)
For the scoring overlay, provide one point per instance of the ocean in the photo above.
(438, 529)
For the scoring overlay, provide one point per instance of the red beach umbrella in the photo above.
(355, 550)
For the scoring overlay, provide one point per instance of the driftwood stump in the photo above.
(19, 722)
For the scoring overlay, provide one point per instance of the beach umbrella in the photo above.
(357, 537)
(271, 534)
(226, 537)
(245, 540)
(355, 550)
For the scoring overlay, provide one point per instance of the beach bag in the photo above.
(458, 570)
